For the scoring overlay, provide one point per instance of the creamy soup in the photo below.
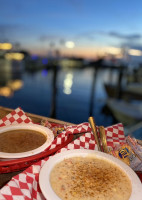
(17, 141)
(88, 178)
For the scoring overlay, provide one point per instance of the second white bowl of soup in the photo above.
(88, 175)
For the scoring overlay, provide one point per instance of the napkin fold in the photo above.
(25, 186)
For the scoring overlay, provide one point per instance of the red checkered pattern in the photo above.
(81, 128)
(115, 135)
(15, 117)
(58, 140)
(86, 141)
(25, 185)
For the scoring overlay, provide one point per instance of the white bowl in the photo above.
(47, 132)
(44, 176)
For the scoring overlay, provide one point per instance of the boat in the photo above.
(130, 91)
(125, 112)
(135, 131)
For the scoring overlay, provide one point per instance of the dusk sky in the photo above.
(91, 24)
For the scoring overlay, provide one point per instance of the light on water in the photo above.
(77, 93)
(68, 82)
(72, 96)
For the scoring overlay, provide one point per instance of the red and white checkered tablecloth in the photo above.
(25, 186)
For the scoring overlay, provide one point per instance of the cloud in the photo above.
(52, 39)
(8, 31)
(125, 36)
(44, 38)
(132, 45)
(9, 27)
(92, 35)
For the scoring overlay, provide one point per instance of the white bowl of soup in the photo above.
(88, 175)
(22, 140)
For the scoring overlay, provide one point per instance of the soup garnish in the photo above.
(89, 178)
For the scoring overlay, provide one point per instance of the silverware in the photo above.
(103, 138)
(94, 130)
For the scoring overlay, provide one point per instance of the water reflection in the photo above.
(54, 91)
(10, 77)
(68, 82)
(69, 94)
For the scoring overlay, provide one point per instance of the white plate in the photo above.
(44, 130)
(44, 176)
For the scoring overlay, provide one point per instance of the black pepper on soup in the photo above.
(89, 178)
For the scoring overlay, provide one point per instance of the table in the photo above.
(86, 141)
